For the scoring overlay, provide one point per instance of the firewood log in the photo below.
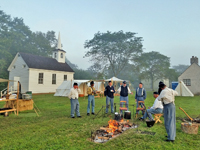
(102, 137)
(102, 128)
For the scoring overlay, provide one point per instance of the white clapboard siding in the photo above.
(47, 86)
(192, 73)
(21, 72)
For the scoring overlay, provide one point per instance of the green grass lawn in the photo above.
(54, 129)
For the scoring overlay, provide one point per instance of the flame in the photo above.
(112, 124)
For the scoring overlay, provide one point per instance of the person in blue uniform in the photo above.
(124, 91)
(140, 95)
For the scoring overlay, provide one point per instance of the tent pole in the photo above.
(180, 88)
(17, 97)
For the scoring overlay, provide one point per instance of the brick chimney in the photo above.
(194, 60)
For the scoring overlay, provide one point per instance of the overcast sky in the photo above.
(170, 27)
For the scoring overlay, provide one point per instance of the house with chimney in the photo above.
(191, 76)
(40, 74)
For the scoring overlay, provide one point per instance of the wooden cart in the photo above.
(7, 100)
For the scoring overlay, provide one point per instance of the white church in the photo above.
(40, 74)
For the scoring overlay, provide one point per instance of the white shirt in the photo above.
(167, 96)
(119, 90)
(73, 94)
(157, 104)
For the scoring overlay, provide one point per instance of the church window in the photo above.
(65, 77)
(40, 78)
(53, 78)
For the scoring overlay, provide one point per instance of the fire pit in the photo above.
(112, 130)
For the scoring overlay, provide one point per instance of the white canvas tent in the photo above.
(114, 79)
(64, 88)
(99, 86)
(183, 90)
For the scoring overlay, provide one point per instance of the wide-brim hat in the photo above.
(161, 85)
(92, 82)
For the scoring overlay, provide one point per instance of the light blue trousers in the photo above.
(152, 111)
(122, 98)
(90, 100)
(111, 101)
(74, 107)
(170, 120)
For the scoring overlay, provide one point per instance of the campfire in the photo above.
(112, 130)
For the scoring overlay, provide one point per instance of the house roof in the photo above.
(189, 67)
(40, 62)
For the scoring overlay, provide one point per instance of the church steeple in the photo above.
(58, 53)
(59, 46)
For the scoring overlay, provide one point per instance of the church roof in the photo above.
(46, 63)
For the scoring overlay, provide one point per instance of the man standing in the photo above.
(109, 90)
(124, 91)
(159, 89)
(73, 96)
(157, 108)
(91, 93)
(167, 96)
(140, 96)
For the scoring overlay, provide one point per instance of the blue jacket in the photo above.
(108, 92)
(140, 92)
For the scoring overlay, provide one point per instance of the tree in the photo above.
(180, 68)
(153, 66)
(15, 37)
(172, 75)
(80, 73)
(113, 50)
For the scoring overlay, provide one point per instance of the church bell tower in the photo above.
(59, 53)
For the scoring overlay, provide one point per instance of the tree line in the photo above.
(117, 54)
(121, 54)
